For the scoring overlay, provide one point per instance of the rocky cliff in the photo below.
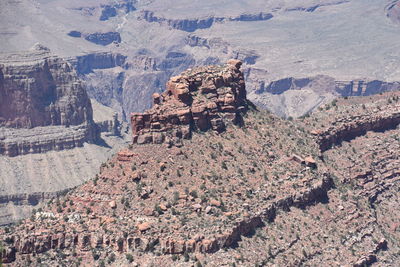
(37, 90)
(262, 194)
(342, 127)
(200, 99)
(193, 24)
(151, 200)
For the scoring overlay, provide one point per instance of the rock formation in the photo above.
(191, 25)
(37, 90)
(200, 99)
(349, 126)
(263, 194)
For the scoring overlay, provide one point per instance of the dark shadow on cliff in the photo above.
(101, 142)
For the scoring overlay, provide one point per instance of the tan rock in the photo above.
(143, 226)
(112, 204)
(208, 209)
(215, 203)
(148, 212)
(197, 207)
(310, 161)
(235, 62)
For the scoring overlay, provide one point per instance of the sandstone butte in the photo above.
(200, 99)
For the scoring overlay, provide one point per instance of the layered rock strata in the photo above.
(14, 142)
(347, 128)
(191, 25)
(39, 90)
(200, 99)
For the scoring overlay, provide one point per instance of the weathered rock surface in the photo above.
(258, 194)
(346, 128)
(14, 142)
(393, 11)
(39, 89)
(85, 64)
(103, 38)
(200, 99)
(43, 104)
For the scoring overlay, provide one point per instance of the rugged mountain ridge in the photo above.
(191, 25)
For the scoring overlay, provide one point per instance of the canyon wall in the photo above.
(193, 24)
(38, 89)
(352, 126)
(43, 104)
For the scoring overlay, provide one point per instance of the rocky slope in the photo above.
(205, 214)
(262, 193)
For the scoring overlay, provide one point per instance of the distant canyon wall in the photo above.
(38, 90)
(191, 25)
(43, 104)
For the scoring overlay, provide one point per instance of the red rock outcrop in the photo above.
(40, 242)
(200, 99)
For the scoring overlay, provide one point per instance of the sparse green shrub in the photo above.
(129, 257)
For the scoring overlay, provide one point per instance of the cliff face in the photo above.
(200, 99)
(38, 89)
(352, 127)
(193, 24)
(264, 190)
(42, 93)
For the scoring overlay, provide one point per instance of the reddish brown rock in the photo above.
(125, 155)
(40, 89)
(200, 99)
(309, 161)
(143, 226)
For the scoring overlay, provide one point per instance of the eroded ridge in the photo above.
(333, 126)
